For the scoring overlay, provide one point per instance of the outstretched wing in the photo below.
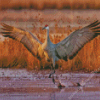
(25, 37)
(70, 46)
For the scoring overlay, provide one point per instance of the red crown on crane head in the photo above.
(46, 25)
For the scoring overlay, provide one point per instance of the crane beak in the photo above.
(43, 28)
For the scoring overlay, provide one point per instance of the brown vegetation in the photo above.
(14, 55)
(51, 4)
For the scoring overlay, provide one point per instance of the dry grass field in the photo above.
(15, 55)
(52, 4)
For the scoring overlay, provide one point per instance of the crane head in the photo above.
(46, 27)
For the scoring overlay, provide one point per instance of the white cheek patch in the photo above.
(47, 27)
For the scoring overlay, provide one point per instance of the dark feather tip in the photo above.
(60, 86)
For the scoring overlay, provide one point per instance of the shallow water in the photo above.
(24, 85)
(50, 96)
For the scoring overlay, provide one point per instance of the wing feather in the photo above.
(70, 46)
(25, 37)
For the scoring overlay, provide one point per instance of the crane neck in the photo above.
(48, 38)
(47, 33)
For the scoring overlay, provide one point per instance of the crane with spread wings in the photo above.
(66, 49)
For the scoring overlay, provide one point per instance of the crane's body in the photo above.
(49, 50)
(49, 47)
(66, 49)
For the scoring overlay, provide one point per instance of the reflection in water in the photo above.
(52, 96)
(23, 85)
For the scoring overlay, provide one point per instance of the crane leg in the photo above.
(53, 60)
(51, 73)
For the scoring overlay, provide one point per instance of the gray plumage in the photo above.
(66, 49)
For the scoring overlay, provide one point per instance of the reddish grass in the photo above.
(14, 55)
(51, 4)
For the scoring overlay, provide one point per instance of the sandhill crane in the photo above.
(66, 49)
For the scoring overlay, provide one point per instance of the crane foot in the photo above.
(51, 74)
(53, 80)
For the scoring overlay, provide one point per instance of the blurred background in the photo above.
(52, 4)
(63, 17)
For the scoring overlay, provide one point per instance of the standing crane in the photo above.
(66, 49)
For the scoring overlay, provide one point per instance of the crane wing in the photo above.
(70, 46)
(25, 37)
